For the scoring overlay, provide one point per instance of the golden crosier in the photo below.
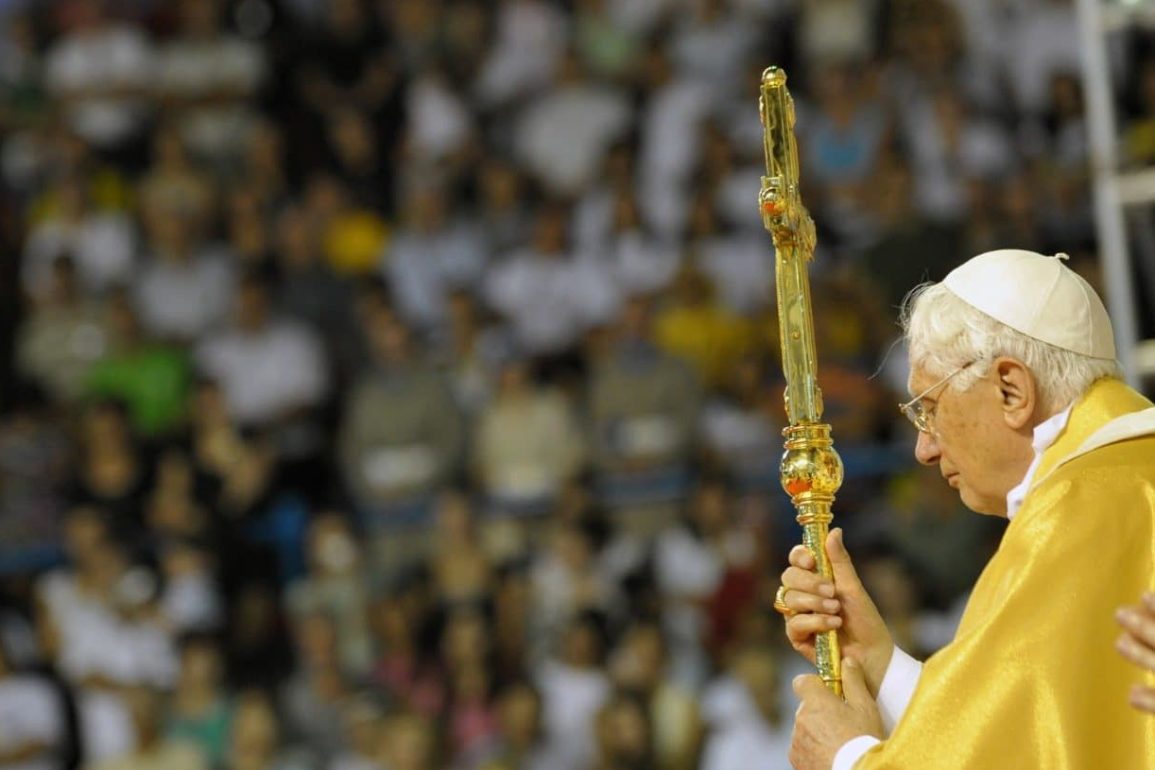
(811, 470)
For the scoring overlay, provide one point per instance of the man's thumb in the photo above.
(854, 684)
(845, 575)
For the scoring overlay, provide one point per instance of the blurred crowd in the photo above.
(394, 384)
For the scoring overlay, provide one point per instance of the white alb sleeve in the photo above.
(897, 688)
(852, 751)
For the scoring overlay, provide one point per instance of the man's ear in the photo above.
(1018, 392)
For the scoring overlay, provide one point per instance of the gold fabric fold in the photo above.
(1032, 679)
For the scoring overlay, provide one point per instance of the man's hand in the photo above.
(845, 605)
(1137, 644)
(824, 723)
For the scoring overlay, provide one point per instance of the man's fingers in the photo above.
(801, 627)
(1136, 621)
(844, 573)
(1149, 601)
(854, 684)
(810, 686)
(1143, 698)
(803, 602)
(801, 557)
(798, 579)
(1135, 651)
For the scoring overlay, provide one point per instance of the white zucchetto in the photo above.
(1038, 296)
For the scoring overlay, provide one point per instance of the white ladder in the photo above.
(1116, 191)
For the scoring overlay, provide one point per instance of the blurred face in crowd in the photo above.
(549, 231)
(626, 216)
(574, 547)
(87, 15)
(199, 18)
(146, 709)
(72, 197)
(84, 532)
(122, 320)
(64, 287)
(890, 192)
(200, 665)
(105, 427)
(623, 729)
(346, 17)
(317, 640)
(297, 240)
(515, 378)
(710, 509)
(209, 407)
(635, 325)
(976, 437)
(391, 626)
(1067, 97)
(351, 136)
(466, 638)
(389, 338)
(171, 233)
(363, 725)
(253, 737)
(409, 745)
(252, 306)
(582, 646)
(332, 549)
(425, 210)
(703, 217)
(692, 288)
(519, 713)
(757, 670)
(640, 661)
(454, 517)
(891, 586)
(500, 186)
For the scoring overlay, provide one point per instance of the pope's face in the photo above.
(971, 442)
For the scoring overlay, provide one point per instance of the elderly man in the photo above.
(1019, 404)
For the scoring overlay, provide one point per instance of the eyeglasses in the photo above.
(920, 416)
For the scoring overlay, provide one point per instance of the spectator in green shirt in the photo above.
(151, 378)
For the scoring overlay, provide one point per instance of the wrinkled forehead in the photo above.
(920, 380)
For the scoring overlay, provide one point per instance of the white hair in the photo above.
(944, 333)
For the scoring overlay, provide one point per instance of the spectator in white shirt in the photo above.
(669, 126)
(152, 750)
(755, 735)
(33, 720)
(640, 262)
(524, 54)
(528, 442)
(1045, 43)
(102, 243)
(738, 263)
(690, 563)
(550, 297)
(573, 689)
(208, 78)
(101, 71)
(430, 257)
(712, 43)
(949, 147)
(186, 287)
(269, 368)
(402, 434)
(562, 136)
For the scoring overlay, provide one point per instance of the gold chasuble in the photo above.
(1032, 680)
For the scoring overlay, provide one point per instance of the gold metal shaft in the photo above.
(811, 470)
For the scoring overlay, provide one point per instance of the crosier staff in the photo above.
(811, 469)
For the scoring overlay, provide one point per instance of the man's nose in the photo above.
(926, 449)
